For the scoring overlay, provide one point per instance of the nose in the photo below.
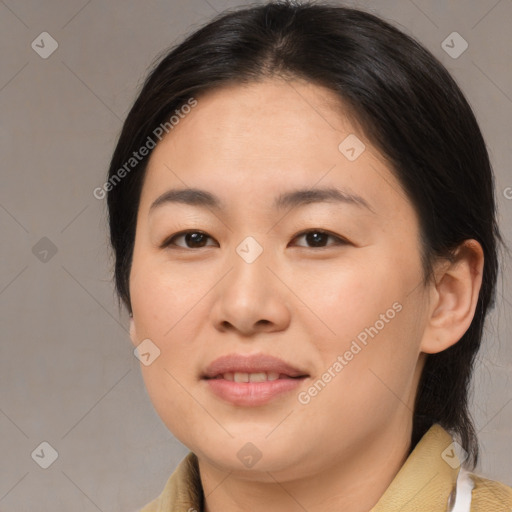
(251, 299)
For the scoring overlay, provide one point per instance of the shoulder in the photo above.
(488, 494)
(156, 504)
(182, 492)
(151, 507)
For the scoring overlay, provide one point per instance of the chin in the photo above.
(246, 455)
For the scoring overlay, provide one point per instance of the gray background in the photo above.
(68, 375)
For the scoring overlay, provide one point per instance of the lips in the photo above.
(239, 366)
(251, 381)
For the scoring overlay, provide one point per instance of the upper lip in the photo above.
(258, 363)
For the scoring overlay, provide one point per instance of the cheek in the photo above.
(375, 327)
(162, 306)
(373, 371)
(350, 296)
(161, 298)
(163, 311)
(168, 392)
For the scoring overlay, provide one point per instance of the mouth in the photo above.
(251, 380)
(251, 368)
(254, 377)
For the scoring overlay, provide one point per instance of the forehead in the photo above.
(258, 140)
(265, 116)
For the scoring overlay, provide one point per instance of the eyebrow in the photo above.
(291, 199)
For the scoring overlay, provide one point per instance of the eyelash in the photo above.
(338, 240)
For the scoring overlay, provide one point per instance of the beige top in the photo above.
(431, 479)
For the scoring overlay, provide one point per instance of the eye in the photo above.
(315, 238)
(193, 239)
(318, 238)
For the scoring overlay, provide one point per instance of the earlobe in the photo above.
(457, 287)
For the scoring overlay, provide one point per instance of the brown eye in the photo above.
(318, 238)
(193, 240)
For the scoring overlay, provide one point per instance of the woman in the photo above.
(302, 214)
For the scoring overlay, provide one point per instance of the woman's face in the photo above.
(345, 310)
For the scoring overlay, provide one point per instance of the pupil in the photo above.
(315, 238)
(194, 239)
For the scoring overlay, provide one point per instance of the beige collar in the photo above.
(427, 478)
(424, 482)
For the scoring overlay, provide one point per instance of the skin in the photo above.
(301, 303)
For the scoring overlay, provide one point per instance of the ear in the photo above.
(454, 296)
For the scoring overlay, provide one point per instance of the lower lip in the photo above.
(252, 393)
